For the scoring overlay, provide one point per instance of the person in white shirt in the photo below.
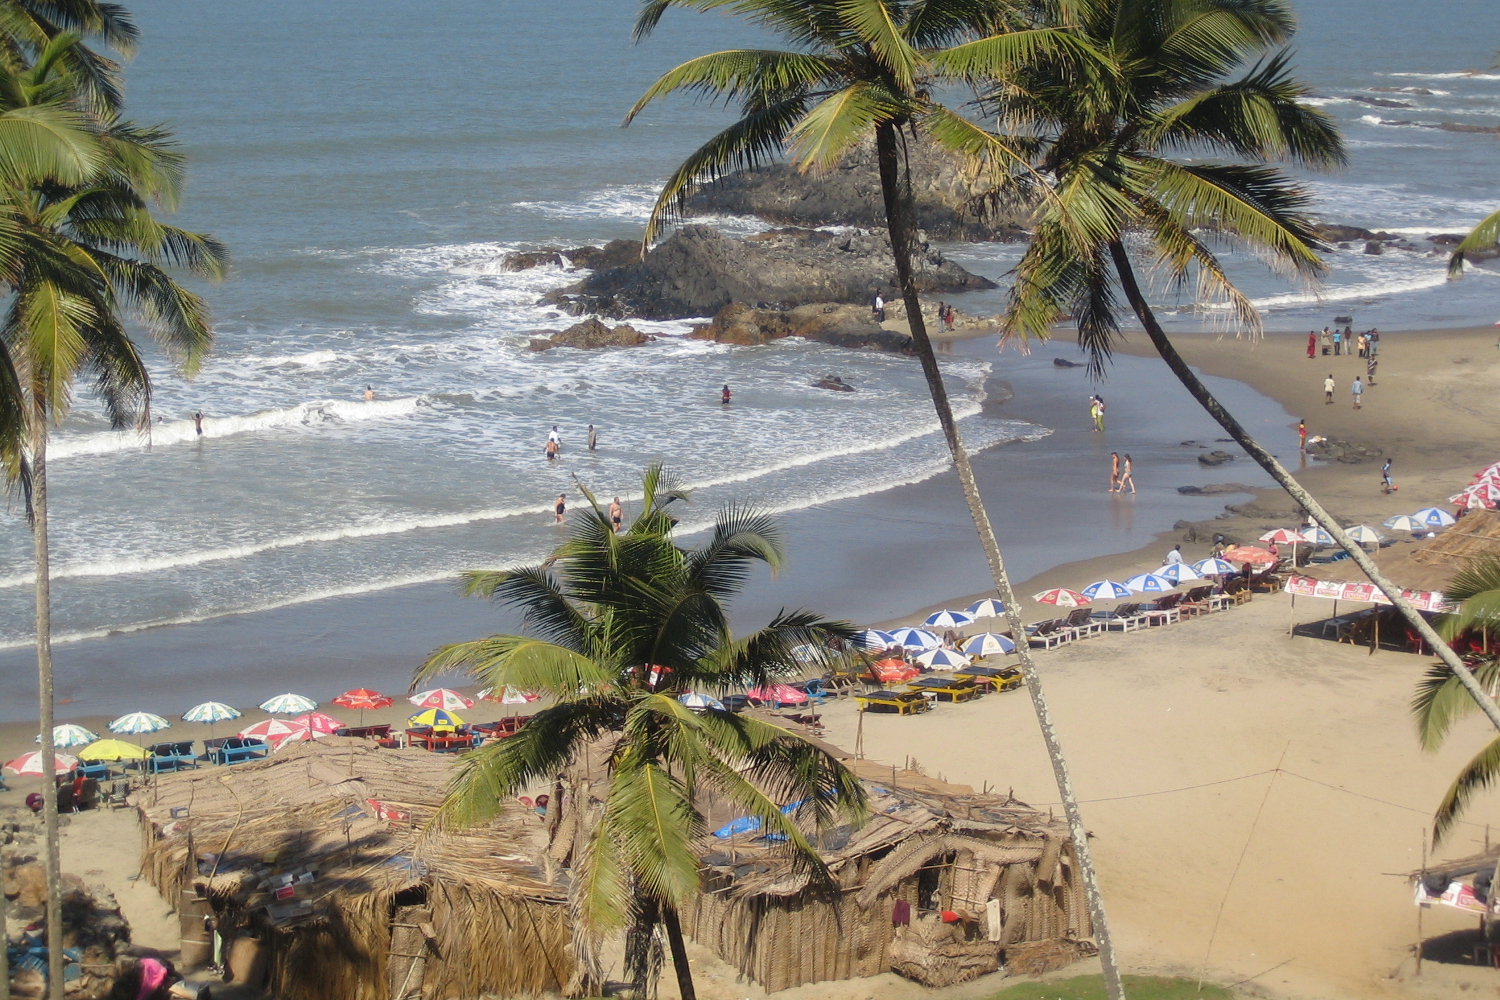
(1328, 387)
(1175, 556)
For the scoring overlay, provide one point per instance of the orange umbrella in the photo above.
(1248, 554)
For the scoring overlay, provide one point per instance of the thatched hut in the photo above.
(1432, 563)
(317, 852)
(938, 885)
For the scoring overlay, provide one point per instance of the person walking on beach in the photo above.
(198, 422)
(724, 396)
(948, 318)
(1387, 484)
(1358, 389)
(1327, 341)
(616, 515)
(942, 310)
(1125, 476)
(560, 511)
(1374, 342)
(1302, 436)
(1338, 343)
(877, 307)
(1370, 364)
(1114, 471)
(1312, 344)
(593, 438)
(1328, 387)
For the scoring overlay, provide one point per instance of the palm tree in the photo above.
(1482, 237)
(617, 627)
(1104, 143)
(81, 248)
(1441, 699)
(863, 67)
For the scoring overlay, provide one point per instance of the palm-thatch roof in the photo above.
(319, 851)
(1431, 564)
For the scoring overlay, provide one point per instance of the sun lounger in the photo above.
(1124, 618)
(235, 749)
(996, 678)
(381, 732)
(1047, 634)
(899, 702)
(174, 756)
(1162, 611)
(945, 688)
(1080, 622)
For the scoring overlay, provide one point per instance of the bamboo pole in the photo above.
(1419, 907)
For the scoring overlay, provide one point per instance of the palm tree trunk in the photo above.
(895, 188)
(1279, 472)
(679, 952)
(53, 864)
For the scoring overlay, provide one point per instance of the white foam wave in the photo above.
(1468, 74)
(330, 411)
(312, 359)
(1368, 290)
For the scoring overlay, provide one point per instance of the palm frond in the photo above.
(522, 662)
(741, 538)
(764, 75)
(874, 25)
(837, 123)
(653, 824)
(1441, 700)
(1477, 775)
(1481, 237)
(1475, 591)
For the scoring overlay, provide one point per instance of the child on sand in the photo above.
(1328, 387)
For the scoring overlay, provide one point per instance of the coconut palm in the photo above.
(1441, 699)
(616, 627)
(28, 27)
(862, 69)
(79, 249)
(1117, 196)
(1482, 237)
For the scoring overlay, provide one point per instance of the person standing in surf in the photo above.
(1125, 475)
(554, 439)
(369, 394)
(724, 396)
(593, 438)
(1302, 436)
(560, 510)
(198, 422)
(1114, 472)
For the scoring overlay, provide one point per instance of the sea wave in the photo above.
(328, 411)
(1368, 290)
(1457, 75)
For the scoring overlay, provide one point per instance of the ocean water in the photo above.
(369, 166)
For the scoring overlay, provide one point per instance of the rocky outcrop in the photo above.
(833, 384)
(699, 271)
(615, 253)
(1381, 102)
(826, 322)
(591, 334)
(947, 196)
(1214, 458)
(1339, 450)
(1213, 488)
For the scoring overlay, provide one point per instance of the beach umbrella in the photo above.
(808, 653)
(113, 750)
(319, 722)
(1487, 488)
(69, 735)
(437, 718)
(508, 694)
(990, 644)
(781, 694)
(915, 638)
(893, 671)
(1149, 583)
(211, 712)
(137, 723)
(1404, 522)
(1469, 500)
(1178, 573)
(271, 731)
(1434, 517)
(301, 733)
(1365, 535)
(1283, 536)
(1248, 554)
(698, 702)
(1214, 567)
(444, 698)
(362, 699)
(950, 619)
(873, 638)
(987, 608)
(31, 763)
(1062, 597)
(288, 704)
(1317, 536)
(1103, 590)
(943, 659)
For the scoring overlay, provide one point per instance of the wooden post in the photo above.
(1291, 618)
(1375, 637)
(1421, 908)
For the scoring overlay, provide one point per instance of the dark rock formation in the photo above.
(1338, 450)
(827, 322)
(1374, 247)
(699, 271)
(1420, 91)
(1065, 363)
(591, 334)
(1381, 102)
(1213, 488)
(849, 195)
(833, 383)
(1331, 232)
(615, 253)
(1215, 458)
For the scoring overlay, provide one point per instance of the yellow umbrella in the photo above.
(439, 719)
(112, 750)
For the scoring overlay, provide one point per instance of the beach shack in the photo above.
(308, 873)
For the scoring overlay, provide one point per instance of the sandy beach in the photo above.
(1254, 797)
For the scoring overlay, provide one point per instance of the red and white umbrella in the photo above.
(507, 694)
(364, 698)
(278, 731)
(1472, 500)
(31, 763)
(1284, 536)
(781, 694)
(318, 722)
(445, 698)
(1062, 597)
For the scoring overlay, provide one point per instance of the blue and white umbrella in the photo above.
(989, 644)
(1149, 583)
(1104, 590)
(1435, 517)
(139, 722)
(808, 653)
(1179, 573)
(873, 638)
(943, 659)
(1317, 536)
(916, 638)
(1365, 535)
(288, 704)
(698, 702)
(69, 735)
(211, 712)
(987, 608)
(1404, 522)
(1213, 567)
(949, 619)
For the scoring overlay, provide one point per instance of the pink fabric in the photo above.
(153, 974)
